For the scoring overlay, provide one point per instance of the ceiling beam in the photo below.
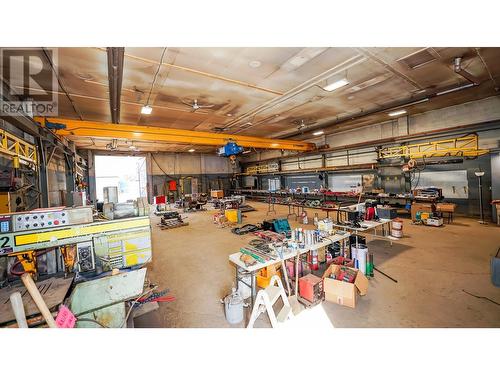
(91, 129)
(115, 76)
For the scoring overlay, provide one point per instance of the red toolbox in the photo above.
(311, 288)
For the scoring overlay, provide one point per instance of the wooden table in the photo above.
(448, 208)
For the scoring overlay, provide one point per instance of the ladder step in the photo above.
(273, 292)
(284, 313)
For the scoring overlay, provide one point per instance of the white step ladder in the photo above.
(265, 300)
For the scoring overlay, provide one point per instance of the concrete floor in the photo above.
(432, 265)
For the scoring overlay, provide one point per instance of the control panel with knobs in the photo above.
(33, 220)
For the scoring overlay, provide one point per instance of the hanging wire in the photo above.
(156, 74)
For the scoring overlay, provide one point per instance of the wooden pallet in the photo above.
(178, 225)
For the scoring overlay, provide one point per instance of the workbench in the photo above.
(241, 269)
(369, 225)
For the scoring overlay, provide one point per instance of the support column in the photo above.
(149, 172)
(92, 190)
(42, 174)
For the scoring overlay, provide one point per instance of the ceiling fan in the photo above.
(303, 124)
(195, 106)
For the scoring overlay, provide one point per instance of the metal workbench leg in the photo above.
(254, 291)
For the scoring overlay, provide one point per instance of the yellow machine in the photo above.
(75, 241)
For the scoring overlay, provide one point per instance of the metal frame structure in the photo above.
(467, 146)
(13, 146)
(46, 143)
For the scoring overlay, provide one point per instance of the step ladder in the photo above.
(265, 300)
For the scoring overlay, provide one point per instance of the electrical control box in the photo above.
(85, 256)
(50, 218)
(5, 223)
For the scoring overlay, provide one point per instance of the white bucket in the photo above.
(398, 225)
(396, 233)
(397, 228)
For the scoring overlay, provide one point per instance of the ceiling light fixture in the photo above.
(191, 150)
(255, 63)
(229, 115)
(455, 89)
(319, 132)
(246, 151)
(336, 85)
(397, 113)
(146, 109)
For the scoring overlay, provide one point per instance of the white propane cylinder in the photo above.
(233, 306)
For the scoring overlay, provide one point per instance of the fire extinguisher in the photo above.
(313, 260)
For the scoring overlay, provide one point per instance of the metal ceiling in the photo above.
(266, 91)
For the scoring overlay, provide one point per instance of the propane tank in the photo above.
(233, 306)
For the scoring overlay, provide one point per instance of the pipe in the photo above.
(378, 110)
(205, 74)
(457, 68)
(115, 77)
(497, 87)
(490, 125)
(349, 63)
(59, 81)
(389, 68)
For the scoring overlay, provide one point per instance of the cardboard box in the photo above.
(341, 292)
(217, 193)
(423, 207)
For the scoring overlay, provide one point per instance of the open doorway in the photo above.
(126, 173)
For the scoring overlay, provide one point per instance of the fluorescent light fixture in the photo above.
(397, 113)
(336, 85)
(246, 151)
(455, 89)
(146, 109)
(319, 132)
(191, 150)
(274, 144)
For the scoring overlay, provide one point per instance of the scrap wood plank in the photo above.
(53, 291)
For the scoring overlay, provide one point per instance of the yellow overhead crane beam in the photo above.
(467, 146)
(158, 134)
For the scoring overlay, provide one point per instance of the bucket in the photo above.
(233, 307)
(397, 233)
(397, 224)
(233, 215)
(397, 228)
